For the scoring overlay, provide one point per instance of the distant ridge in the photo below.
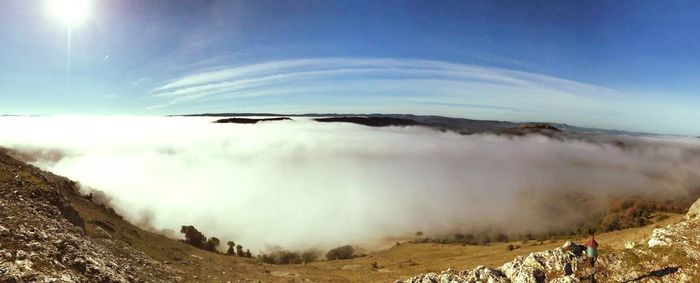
(249, 121)
(459, 125)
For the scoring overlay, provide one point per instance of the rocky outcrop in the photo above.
(684, 237)
(672, 254)
(42, 235)
(693, 212)
(562, 264)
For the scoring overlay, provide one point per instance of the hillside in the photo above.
(671, 254)
(49, 231)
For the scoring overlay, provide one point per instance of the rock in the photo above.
(565, 279)
(43, 239)
(659, 237)
(20, 254)
(482, 273)
(694, 211)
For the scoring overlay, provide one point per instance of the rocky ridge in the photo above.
(42, 236)
(672, 254)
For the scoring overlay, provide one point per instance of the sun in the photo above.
(70, 12)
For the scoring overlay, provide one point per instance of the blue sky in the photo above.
(614, 64)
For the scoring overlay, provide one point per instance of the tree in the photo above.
(248, 254)
(469, 238)
(309, 256)
(344, 252)
(193, 237)
(231, 246)
(211, 244)
(239, 251)
(419, 234)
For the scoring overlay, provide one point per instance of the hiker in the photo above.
(592, 253)
(592, 250)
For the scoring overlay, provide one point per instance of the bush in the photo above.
(344, 252)
(239, 251)
(310, 255)
(281, 256)
(193, 237)
(211, 244)
(231, 246)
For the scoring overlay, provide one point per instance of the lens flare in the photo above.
(70, 12)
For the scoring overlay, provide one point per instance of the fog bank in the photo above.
(303, 184)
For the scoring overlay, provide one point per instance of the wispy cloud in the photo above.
(397, 73)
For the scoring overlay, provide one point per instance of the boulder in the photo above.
(694, 211)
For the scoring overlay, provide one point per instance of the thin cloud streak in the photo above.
(242, 78)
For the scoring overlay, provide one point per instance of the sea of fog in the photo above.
(302, 184)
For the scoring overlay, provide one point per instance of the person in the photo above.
(592, 253)
(592, 250)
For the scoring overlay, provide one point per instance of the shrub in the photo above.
(231, 246)
(344, 252)
(310, 256)
(281, 256)
(239, 251)
(193, 237)
(211, 244)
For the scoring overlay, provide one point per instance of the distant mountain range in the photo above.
(460, 125)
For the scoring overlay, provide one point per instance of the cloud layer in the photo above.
(303, 184)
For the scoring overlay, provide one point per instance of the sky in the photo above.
(630, 65)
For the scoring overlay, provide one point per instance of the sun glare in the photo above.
(71, 12)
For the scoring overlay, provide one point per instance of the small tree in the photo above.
(231, 246)
(248, 254)
(239, 251)
(211, 244)
(419, 234)
(309, 256)
(193, 237)
(344, 252)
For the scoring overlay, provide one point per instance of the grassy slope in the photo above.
(401, 262)
(398, 262)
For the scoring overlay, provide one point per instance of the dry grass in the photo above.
(398, 262)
